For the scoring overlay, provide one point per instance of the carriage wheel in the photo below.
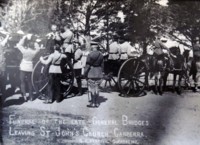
(40, 78)
(109, 81)
(131, 77)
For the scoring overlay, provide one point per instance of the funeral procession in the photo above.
(99, 72)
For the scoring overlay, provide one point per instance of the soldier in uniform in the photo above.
(161, 51)
(53, 37)
(78, 65)
(3, 67)
(94, 73)
(195, 67)
(55, 71)
(67, 37)
(124, 46)
(132, 52)
(113, 57)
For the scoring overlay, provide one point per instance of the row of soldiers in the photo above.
(28, 47)
(62, 48)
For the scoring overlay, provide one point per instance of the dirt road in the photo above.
(169, 119)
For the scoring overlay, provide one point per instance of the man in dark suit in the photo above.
(94, 73)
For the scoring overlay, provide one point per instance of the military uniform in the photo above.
(94, 73)
(114, 51)
(55, 71)
(68, 47)
(161, 52)
(123, 49)
(78, 65)
(132, 52)
(195, 66)
(113, 58)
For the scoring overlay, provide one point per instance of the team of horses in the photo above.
(161, 67)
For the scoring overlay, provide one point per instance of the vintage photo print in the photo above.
(99, 72)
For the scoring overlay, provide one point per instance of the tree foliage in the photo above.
(140, 20)
(185, 19)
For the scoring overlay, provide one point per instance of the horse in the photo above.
(178, 69)
(156, 66)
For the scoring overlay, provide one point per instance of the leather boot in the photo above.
(92, 104)
(96, 101)
(79, 87)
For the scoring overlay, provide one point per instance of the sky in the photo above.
(163, 2)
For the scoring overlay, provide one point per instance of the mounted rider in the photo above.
(161, 52)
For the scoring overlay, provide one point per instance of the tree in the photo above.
(27, 15)
(185, 19)
(143, 20)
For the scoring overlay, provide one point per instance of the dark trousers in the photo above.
(3, 84)
(54, 87)
(25, 77)
(93, 87)
(113, 66)
(78, 79)
(13, 75)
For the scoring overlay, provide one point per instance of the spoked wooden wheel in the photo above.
(131, 77)
(40, 78)
(109, 81)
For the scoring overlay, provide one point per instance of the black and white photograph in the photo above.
(99, 72)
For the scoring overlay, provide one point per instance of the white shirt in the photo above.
(123, 49)
(77, 57)
(114, 51)
(67, 36)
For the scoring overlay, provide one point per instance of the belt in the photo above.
(113, 52)
(95, 65)
(123, 52)
(56, 64)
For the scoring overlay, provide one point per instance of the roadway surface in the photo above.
(170, 119)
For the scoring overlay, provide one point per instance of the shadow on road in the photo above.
(18, 101)
(102, 99)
